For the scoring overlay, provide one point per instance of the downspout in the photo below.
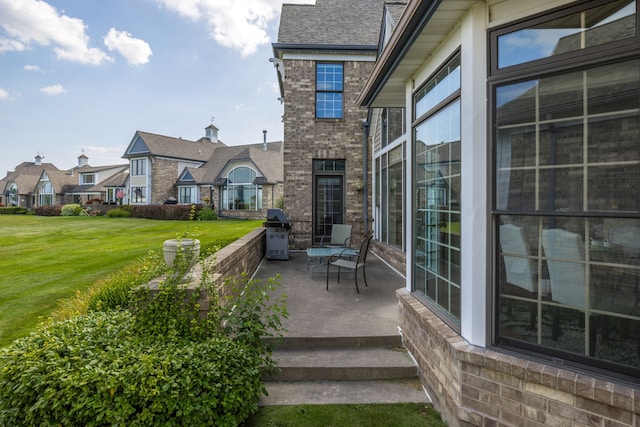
(365, 171)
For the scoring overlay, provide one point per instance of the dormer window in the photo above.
(87, 178)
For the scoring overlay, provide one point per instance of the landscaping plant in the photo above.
(159, 364)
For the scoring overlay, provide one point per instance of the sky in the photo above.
(82, 76)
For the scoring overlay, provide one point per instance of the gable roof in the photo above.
(26, 176)
(62, 181)
(151, 144)
(269, 163)
(331, 23)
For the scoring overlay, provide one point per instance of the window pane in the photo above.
(445, 83)
(329, 105)
(597, 26)
(570, 158)
(329, 77)
(437, 221)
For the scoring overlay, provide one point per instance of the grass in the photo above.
(374, 415)
(47, 259)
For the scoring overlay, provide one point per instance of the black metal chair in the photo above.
(342, 260)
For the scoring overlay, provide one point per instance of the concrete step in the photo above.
(344, 392)
(292, 343)
(342, 364)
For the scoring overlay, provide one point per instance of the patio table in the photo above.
(318, 256)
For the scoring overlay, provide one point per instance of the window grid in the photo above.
(329, 90)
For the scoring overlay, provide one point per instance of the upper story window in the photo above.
(329, 90)
(87, 178)
(568, 32)
(392, 125)
(138, 167)
(443, 85)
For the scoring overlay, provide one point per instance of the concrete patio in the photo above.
(340, 346)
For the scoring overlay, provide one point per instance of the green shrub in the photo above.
(171, 212)
(159, 364)
(72, 209)
(95, 370)
(13, 210)
(118, 213)
(207, 214)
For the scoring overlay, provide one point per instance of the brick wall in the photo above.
(475, 386)
(306, 139)
(393, 256)
(164, 175)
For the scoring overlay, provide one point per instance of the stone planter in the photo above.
(171, 247)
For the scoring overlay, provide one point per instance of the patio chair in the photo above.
(354, 265)
(340, 237)
(565, 260)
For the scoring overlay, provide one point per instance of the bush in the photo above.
(118, 213)
(48, 210)
(72, 209)
(14, 210)
(159, 365)
(114, 291)
(95, 370)
(207, 214)
(172, 212)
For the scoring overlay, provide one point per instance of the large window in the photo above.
(390, 169)
(12, 199)
(46, 194)
(240, 192)
(88, 178)
(566, 205)
(437, 171)
(329, 88)
(138, 195)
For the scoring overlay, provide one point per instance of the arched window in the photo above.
(12, 200)
(46, 194)
(240, 192)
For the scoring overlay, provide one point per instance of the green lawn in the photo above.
(46, 259)
(374, 415)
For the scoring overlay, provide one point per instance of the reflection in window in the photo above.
(592, 27)
(390, 184)
(240, 192)
(139, 195)
(567, 211)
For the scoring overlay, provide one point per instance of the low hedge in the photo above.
(95, 370)
(173, 212)
(13, 210)
(47, 210)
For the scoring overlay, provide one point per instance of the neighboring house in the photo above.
(156, 161)
(79, 184)
(18, 186)
(519, 167)
(240, 181)
(324, 53)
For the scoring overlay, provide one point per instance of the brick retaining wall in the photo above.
(475, 386)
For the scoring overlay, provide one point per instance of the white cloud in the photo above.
(3, 94)
(34, 21)
(7, 45)
(136, 51)
(239, 25)
(32, 68)
(53, 90)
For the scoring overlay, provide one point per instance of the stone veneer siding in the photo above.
(475, 386)
(307, 138)
(165, 175)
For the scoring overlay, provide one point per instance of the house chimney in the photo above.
(38, 159)
(264, 140)
(82, 160)
(211, 133)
